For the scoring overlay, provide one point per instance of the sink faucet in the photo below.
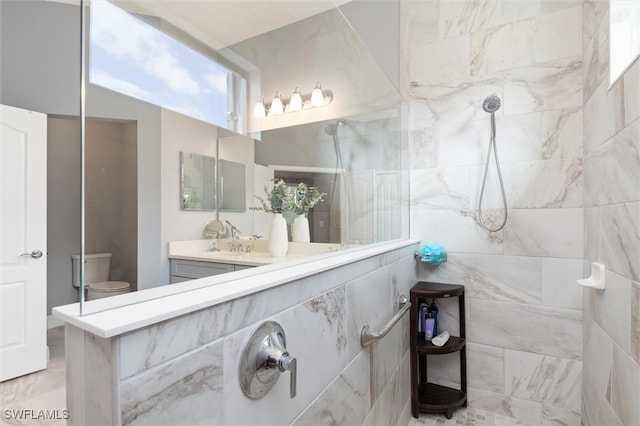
(235, 232)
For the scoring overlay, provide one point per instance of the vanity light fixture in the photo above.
(297, 102)
(277, 107)
(317, 97)
(259, 109)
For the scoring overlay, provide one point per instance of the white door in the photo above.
(23, 241)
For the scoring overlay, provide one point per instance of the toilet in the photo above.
(96, 272)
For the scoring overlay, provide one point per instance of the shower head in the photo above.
(332, 128)
(491, 104)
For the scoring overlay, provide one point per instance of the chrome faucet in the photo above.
(233, 247)
(235, 232)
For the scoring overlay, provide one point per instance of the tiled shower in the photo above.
(568, 146)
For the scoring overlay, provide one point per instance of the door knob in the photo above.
(263, 360)
(36, 254)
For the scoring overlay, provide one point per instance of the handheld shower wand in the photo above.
(491, 104)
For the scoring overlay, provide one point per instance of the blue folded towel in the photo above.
(433, 253)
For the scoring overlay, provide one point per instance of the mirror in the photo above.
(355, 148)
(197, 182)
(232, 186)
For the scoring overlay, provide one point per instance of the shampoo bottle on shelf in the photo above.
(432, 312)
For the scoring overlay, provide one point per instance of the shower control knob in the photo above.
(264, 359)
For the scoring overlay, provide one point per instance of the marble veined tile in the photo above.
(620, 238)
(553, 381)
(423, 21)
(599, 118)
(440, 61)
(557, 35)
(467, 16)
(596, 377)
(539, 329)
(501, 48)
(440, 188)
(562, 133)
(316, 336)
(499, 404)
(539, 87)
(631, 90)
(626, 164)
(559, 287)
(625, 387)
(456, 100)
(424, 147)
(457, 231)
(518, 138)
(386, 355)
(635, 321)
(345, 401)
(545, 232)
(595, 45)
(560, 416)
(186, 390)
(388, 407)
(504, 278)
(547, 6)
(521, 43)
(611, 308)
(485, 367)
(546, 184)
(367, 307)
(152, 345)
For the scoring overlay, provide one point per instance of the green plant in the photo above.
(279, 198)
(282, 198)
(305, 198)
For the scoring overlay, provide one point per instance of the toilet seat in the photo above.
(109, 287)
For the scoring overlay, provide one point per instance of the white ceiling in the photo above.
(222, 23)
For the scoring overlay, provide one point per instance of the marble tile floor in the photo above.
(42, 390)
(467, 417)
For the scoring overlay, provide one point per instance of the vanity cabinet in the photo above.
(184, 270)
(429, 397)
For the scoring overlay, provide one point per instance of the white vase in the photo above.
(278, 240)
(300, 229)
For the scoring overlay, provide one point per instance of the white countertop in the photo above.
(199, 250)
(116, 315)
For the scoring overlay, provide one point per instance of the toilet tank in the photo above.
(96, 268)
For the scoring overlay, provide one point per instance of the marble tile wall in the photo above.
(611, 373)
(524, 309)
(185, 370)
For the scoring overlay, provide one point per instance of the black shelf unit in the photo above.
(429, 397)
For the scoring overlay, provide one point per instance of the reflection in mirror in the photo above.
(232, 186)
(624, 38)
(197, 182)
(354, 149)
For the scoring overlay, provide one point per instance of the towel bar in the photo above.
(367, 336)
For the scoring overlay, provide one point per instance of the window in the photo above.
(134, 58)
(624, 36)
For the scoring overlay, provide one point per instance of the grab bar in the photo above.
(367, 336)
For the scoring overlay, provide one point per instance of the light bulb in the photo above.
(276, 105)
(258, 108)
(295, 104)
(317, 97)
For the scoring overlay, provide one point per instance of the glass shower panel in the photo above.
(346, 132)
